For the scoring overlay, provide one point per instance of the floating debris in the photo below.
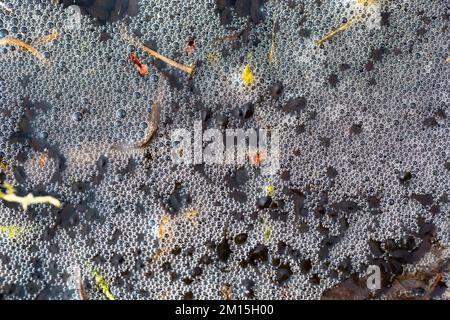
(335, 32)
(24, 45)
(191, 214)
(28, 200)
(12, 231)
(214, 57)
(47, 39)
(270, 190)
(189, 70)
(257, 157)
(366, 2)
(140, 67)
(272, 50)
(231, 37)
(190, 46)
(267, 230)
(153, 125)
(103, 285)
(247, 75)
(227, 291)
(5, 7)
(165, 219)
(80, 284)
(4, 167)
(43, 159)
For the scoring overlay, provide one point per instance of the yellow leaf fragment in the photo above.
(28, 200)
(270, 190)
(366, 2)
(214, 57)
(448, 60)
(11, 231)
(155, 256)
(191, 214)
(247, 75)
(24, 45)
(267, 230)
(165, 219)
(4, 167)
(101, 282)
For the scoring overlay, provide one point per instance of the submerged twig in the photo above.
(182, 67)
(24, 45)
(152, 131)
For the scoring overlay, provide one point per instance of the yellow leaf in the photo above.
(270, 190)
(247, 75)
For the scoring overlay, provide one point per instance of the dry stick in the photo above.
(340, 29)
(189, 70)
(23, 45)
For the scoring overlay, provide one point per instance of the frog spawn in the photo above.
(353, 114)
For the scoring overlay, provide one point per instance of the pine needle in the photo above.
(338, 30)
(182, 67)
(272, 50)
(24, 45)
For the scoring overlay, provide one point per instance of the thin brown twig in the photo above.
(338, 30)
(24, 45)
(153, 120)
(187, 69)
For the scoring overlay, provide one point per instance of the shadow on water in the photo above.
(105, 11)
